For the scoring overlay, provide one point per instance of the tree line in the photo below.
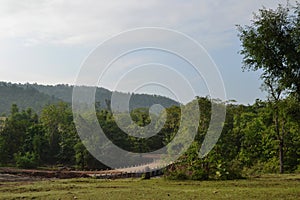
(248, 143)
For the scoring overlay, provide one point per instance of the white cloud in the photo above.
(87, 21)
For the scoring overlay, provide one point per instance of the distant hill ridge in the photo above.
(36, 96)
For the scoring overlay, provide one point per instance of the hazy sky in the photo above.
(46, 41)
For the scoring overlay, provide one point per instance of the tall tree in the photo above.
(271, 44)
(13, 133)
(59, 130)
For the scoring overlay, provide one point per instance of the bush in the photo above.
(234, 170)
(298, 169)
(177, 174)
(269, 167)
(181, 172)
(27, 161)
(199, 174)
(221, 171)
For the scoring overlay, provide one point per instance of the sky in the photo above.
(47, 41)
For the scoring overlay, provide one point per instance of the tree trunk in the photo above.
(281, 145)
(279, 138)
(281, 170)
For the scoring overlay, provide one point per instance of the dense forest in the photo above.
(24, 96)
(248, 143)
(37, 96)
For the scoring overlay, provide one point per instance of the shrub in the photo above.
(199, 174)
(270, 166)
(176, 174)
(28, 161)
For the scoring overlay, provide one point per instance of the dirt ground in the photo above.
(16, 178)
(9, 174)
(16, 175)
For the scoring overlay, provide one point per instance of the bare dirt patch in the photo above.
(11, 174)
(16, 178)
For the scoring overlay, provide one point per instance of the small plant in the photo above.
(28, 161)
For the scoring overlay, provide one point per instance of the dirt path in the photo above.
(16, 178)
(42, 173)
(13, 174)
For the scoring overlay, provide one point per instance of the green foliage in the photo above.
(28, 160)
(176, 175)
(247, 146)
(271, 43)
(13, 133)
(38, 96)
(270, 166)
(25, 96)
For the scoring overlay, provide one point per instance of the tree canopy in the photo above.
(271, 43)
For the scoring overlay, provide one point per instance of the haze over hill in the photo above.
(36, 96)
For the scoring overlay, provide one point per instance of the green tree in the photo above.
(57, 121)
(271, 44)
(14, 132)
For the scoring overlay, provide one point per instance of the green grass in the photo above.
(266, 187)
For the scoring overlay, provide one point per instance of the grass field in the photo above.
(266, 187)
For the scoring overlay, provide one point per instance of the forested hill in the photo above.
(37, 96)
(24, 96)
